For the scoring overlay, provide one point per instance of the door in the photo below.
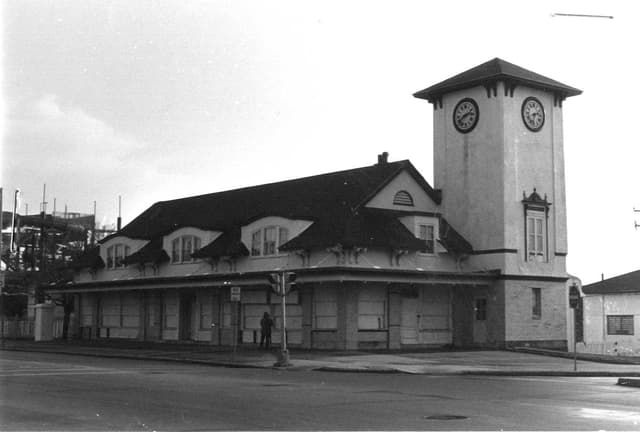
(426, 316)
(410, 319)
(479, 320)
(187, 316)
(153, 317)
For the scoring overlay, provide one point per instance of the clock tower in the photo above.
(499, 162)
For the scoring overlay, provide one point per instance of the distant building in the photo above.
(611, 316)
(382, 258)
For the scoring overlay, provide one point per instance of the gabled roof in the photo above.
(626, 283)
(151, 253)
(325, 196)
(493, 71)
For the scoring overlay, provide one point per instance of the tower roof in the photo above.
(491, 72)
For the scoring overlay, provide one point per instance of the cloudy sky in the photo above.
(154, 100)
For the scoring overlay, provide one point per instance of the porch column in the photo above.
(395, 316)
(347, 332)
(306, 300)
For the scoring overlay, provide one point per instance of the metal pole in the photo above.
(13, 219)
(284, 355)
(235, 330)
(575, 342)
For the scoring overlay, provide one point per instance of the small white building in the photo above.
(611, 316)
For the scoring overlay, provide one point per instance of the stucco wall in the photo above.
(520, 324)
(596, 308)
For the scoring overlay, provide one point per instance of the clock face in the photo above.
(533, 114)
(465, 115)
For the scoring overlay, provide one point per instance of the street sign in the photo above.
(574, 296)
(235, 294)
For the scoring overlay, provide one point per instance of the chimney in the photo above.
(383, 158)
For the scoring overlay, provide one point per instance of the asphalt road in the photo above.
(63, 392)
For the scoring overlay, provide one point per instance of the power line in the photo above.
(581, 15)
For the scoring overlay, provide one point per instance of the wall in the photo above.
(404, 181)
(596, 308)
(521, 328)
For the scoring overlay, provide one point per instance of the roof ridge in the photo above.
(403, 162)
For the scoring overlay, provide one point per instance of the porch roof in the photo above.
(335, 274)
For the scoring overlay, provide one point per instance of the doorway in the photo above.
(153, 317)
(187, 316)
(479, 320)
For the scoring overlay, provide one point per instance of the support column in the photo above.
(395, 317)
(306, 300)
(347, 334)
(43, 328)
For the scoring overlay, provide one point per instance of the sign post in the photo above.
(235, 299)
(574, 299)
(281, 284)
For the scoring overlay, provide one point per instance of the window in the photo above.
(620, 324)
(325, 308)
(481, 309)
(403, 198)
(120, 311)
(372, 307)
(266, 241)
(427, 234)
(536, 303)
(115, 255)
(183, 247)
(536, 211)
(536, 236)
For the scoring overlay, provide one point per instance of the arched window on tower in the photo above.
(536, 210)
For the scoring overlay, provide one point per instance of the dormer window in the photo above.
(267, 240)
(183, 247)
(426, 233)
(115, 254)
(403, 198)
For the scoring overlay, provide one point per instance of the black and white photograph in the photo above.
(316, 215)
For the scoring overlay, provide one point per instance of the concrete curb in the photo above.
(147, 357)
(338, 369)
(581, 356)
(482, 373)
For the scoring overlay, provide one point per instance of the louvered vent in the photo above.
(403, 198)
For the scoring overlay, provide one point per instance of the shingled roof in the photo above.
(228, 243)
(367, 228)
(491, 72)
(325, 196)
(626, 283)
(151, 253)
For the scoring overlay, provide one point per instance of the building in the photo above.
(611, 316)
(382, 258)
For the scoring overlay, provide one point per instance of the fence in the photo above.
(24, 328)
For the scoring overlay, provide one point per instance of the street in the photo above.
(64, 392)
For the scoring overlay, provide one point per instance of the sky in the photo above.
(155, 100)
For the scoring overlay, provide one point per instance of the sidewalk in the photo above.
(509, 363)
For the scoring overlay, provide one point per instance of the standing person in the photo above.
(265, 330)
